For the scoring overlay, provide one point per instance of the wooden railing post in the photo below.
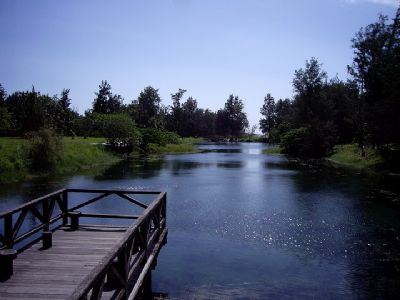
(74, 215)
(47, 235)
(8, 231)
(64, 208)
(123, 269)
(46, 214)
(7, 257)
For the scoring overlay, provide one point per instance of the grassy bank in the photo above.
(276, 150)
(350, 156)
(77, 154)
(187, 145)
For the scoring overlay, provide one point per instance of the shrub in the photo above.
(293, 141)
(119, 130)
(158, 137)
(44, 149)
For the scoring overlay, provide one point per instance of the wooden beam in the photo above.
(109, 216)
(130, 199)
(90, 201)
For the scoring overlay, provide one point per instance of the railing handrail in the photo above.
(101, 269)
(45, 216)
(30, 203)
(73, 190)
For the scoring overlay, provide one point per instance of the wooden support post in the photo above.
(147, 292)
(64, 209)
(123, 268)
(47, 239)
(8, 231)
(46, 214)
(6, 262)
(74, 215)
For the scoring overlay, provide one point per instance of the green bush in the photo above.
(119, 130)
(44, 149)
(293, 142)
(157, 137)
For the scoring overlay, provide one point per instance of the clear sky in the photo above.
(211, 48)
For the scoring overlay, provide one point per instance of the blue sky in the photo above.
(211, 48)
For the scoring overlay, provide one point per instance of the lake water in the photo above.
(245, 225)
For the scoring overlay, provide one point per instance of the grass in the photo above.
(80, 153)
(77, 154)
(192, 140)
(350, 156)
(13, 165)
(172, 148)
(273, 151)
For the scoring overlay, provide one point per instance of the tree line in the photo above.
(324, 112)
(23, 112)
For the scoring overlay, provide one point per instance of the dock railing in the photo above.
(125, 269)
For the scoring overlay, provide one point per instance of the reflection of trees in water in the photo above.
(178, 167)
(221, 151)
(133, 168)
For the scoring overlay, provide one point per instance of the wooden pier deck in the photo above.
(61, 258)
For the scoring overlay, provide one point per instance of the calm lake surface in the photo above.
(249, 226)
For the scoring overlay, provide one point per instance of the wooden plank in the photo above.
(79, 259)
(30, 296)
(46, 290)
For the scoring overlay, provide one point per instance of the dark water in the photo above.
(249, 226)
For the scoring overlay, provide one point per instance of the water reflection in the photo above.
(246, 225)
(133, 168)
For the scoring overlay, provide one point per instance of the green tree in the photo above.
(148, 107)
(376, 69)
(44, 149)
(106, 102)
(30, 111)
(175, 117)
(268, 111)
(232, 120)
(5, 116)
(189, 117)
(63, 115)
(313, 111)
(120, 131)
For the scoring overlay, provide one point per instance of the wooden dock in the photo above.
(62, 258)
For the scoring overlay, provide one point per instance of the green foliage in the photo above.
(62, 115)
(22, 112)
(294, 141)
(82, 153)
(350, 155)
(148, 107)
(119, 129)
(232, 120)
(5, 121)
(322, 113)
(171, 148)
(273, 150)
(268, 111)
(376, 69)
(157, 137)
(44, 149)
(77, 154)
(106, 102)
